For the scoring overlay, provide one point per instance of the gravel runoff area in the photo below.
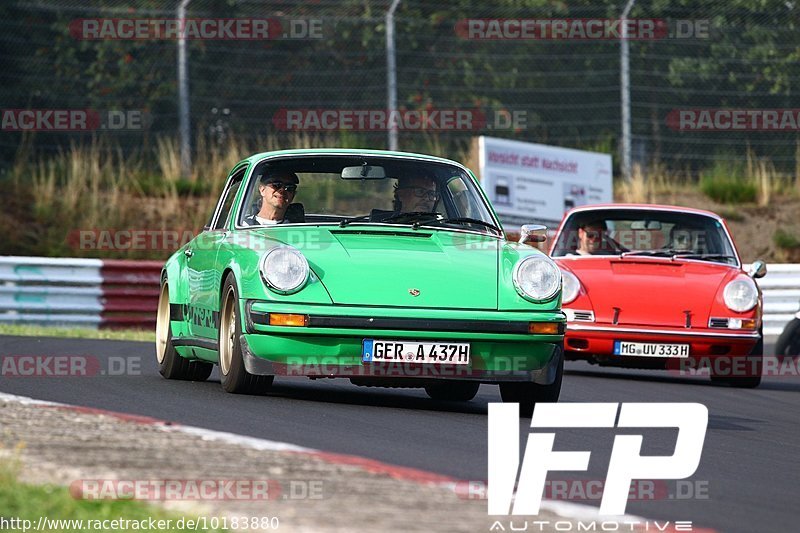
(99, 453)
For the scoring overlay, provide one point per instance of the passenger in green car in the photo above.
(277, 190)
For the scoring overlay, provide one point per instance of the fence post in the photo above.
(183, 93)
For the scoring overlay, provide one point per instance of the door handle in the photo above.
(188, 252)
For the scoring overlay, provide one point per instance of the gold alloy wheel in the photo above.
(162, 324)
(227, 332)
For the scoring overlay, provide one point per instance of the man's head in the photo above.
(681, 238)
(590, 236)
(415, 194)
(277, 189)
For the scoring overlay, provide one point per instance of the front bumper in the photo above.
(331, 345)
(587, 340)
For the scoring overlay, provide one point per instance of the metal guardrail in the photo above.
(118, 293)
(781, 288)
(78, 292)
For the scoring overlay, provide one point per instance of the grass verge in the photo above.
(26, 504)
(77, 333)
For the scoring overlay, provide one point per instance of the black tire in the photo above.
(171, 364)
(527, 395)
(788, 344)
(755, 363)
(235, 378)
(453, 391)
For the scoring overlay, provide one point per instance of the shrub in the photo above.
(728, 190)
(784, 239)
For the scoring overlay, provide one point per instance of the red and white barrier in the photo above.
(94, 293)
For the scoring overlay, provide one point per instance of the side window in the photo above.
(226, 202)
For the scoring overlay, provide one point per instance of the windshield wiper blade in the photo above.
(702, 256)
(458, 220)
(345, 221)
(649, 253)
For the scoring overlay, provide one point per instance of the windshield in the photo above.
(644, 232)
(357, 190)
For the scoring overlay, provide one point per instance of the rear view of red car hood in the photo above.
(649, 292)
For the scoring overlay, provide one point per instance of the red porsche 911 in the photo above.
(652, 286)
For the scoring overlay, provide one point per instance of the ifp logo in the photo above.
(626, 463)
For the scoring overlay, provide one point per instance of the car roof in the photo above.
(632, 207)
(350, 151)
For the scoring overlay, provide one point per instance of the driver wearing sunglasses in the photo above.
(590, 238)
(277, 190)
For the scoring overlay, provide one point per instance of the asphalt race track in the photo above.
(747, 480)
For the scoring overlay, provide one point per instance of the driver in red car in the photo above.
(590, 237)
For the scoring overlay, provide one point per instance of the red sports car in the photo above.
(654, 286)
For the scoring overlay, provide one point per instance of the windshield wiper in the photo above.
(345, 221)
(702, 256)
(664, 253)
(675, 254)
(411, 215)
(458, 220)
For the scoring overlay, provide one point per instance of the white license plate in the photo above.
(445, 353)
(650, 349)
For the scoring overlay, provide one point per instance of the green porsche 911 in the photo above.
(390, 269)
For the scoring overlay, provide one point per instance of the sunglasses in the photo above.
(288, 187)
(420, 192)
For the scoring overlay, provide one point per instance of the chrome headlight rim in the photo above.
(551, 294)
(571, 287)
(727, 297)
(270, 283)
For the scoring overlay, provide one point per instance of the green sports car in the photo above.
(387, 268)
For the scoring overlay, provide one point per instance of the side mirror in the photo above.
(532, 233)
(757, 270)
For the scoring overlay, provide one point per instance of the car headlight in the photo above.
(572, 287)
(284, 269)
(740, 295)
(537, 278)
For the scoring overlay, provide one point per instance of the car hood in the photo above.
(372, 265)
(649, 292)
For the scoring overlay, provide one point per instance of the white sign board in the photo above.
(529, 182)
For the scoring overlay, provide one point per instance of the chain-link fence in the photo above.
(712, 82)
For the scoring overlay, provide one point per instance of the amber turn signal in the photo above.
(284, 319)
(543, 328)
